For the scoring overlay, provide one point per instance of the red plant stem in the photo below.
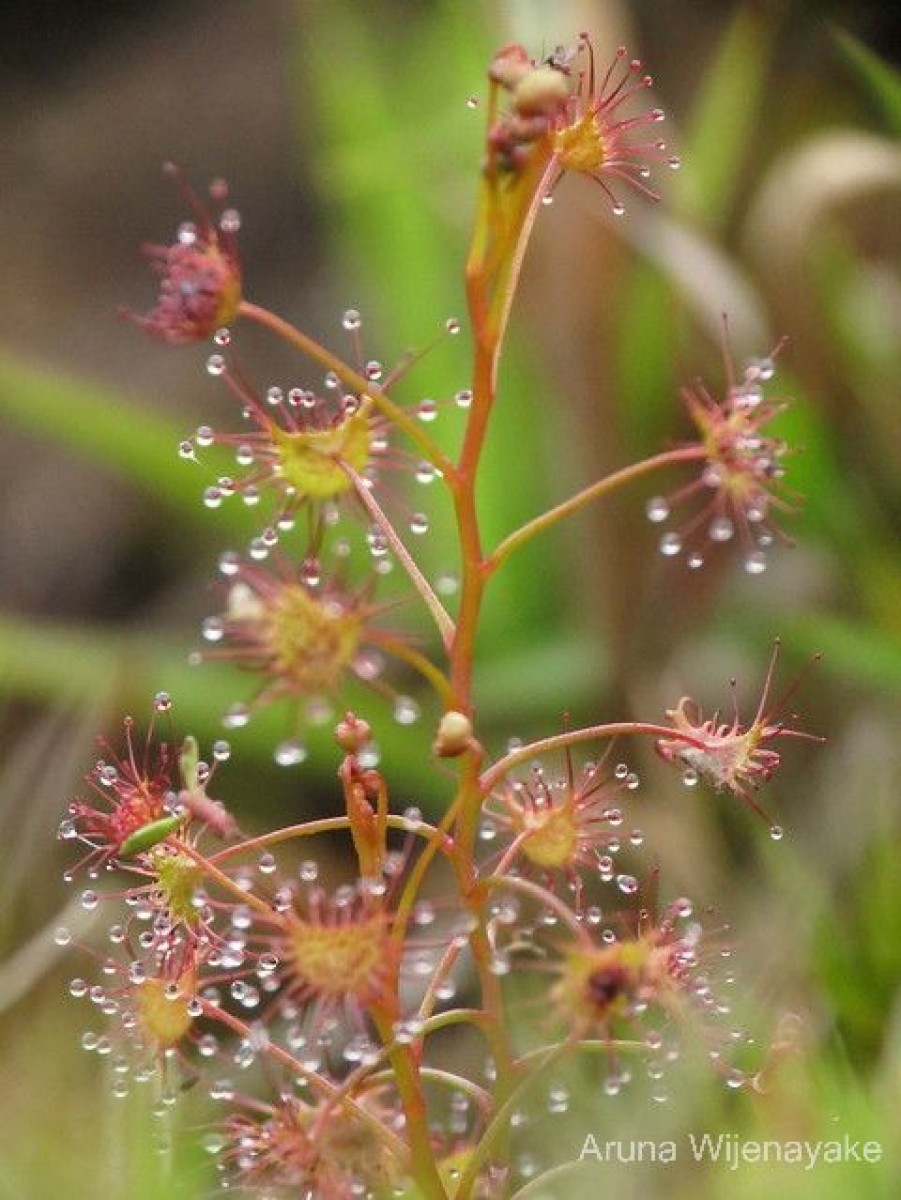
(296, 1069)
(594, 491)
(571, 737)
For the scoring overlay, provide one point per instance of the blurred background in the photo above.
(344, 132)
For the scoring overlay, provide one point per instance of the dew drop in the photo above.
(427, 410)
(463, 399)
(351, 319)
(627, 884)
(222, 337)
(229, 563)
(721, 529)
(212, 497)
(406, 710)
(618, 208)
(186, 450)
(267, 864)
(690, 777)
(694, 561)
(89, 901)
(162, 702)
(310, 572)
(419, 523)
(452, 325)
(221, 750)
(472, 102)
(670, 545)
(215, 365)
(290, 753)
(62, 935)
(756, 563)
(777, 833)
(657, 509)
(230, 220)
(212, 629)
(236, 717)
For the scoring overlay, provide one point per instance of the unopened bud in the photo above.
(541, 92)
(352, 733)
(509, 66)
(454, 735)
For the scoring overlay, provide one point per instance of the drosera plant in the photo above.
(224, 953)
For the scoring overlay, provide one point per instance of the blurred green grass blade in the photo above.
(852, 651)
(882, 80)
(96, 424)
(726, 112)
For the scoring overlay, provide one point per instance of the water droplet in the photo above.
(427, 410)
(212, 629)
(351, 319)
(777, 833)
(267, 864)
(690, 777)
(472, 102)
(406, 710)
(721, 529)
(756, 563)
(186, 450)
(674, 162)
(463, 399)
(62, 935)
(162, 702)
(373, 371)
(237, 717)
(222, 750)
(290, 753)
(694, 561)
(229, 563)
(618, 208)
(212, 497)
(89, 901)
(627, 884)
(230, 220)
(670, 545)
(657, 509)
(419, 523)
(222, 337)
(215, 365)
(452, 325)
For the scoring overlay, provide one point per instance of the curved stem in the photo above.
(311, 829)
(571, 737)
(594, 491)
(296, 1069)
(517, 884)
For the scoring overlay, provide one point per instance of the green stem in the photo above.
(433, 604)
(408, 1081)
(353, 379)
(594, 491)
(497, 1127)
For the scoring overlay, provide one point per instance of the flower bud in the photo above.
(454, 735)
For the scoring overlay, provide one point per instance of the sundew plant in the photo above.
(529, 915)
